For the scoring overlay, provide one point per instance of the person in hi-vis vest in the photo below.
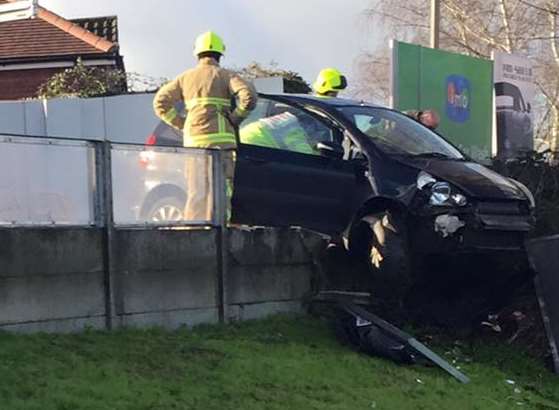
(208, 92)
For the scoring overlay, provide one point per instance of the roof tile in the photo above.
(48, 35)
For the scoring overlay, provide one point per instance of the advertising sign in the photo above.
(458, 87)
(514, 93)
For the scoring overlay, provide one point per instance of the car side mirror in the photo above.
(330, 149)
(528, 108)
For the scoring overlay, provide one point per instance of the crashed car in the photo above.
(388, 188)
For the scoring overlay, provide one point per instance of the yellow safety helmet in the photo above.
(208, 41)
(329, 79)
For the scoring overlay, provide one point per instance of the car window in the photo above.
(286, 127)
(259, 111)
(504, 101)
(512, 93)
(395, 133)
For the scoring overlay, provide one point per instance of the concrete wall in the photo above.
(165, 277)
(54, 279)
(51, 279)
(270, 271)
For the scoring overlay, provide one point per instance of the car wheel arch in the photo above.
(379, 204)
(381, 225)
(161, 191)
(374, 205)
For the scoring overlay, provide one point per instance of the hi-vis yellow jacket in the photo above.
(207, 92)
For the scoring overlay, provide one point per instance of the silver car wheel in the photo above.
(167, 213)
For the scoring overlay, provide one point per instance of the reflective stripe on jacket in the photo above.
(281, 131)
(207, 92)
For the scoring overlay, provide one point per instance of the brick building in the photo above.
(32, 50)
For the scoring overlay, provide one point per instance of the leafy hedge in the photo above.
(543, 180)
(83, 81)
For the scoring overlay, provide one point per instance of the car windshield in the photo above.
(504, 101)
(396, 133)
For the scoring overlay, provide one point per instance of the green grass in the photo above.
(280, 363)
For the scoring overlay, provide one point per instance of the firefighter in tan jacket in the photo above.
(208, 92)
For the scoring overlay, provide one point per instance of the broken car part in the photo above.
(448, 224)
(544, 259)
(402, 344)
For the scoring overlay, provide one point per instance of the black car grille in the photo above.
(493, 239)
(502, 208)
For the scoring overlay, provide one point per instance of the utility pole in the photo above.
(435, 22)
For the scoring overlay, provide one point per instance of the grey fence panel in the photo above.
(35, 121)
(92, 114)
(45, 182)
(13, 117)
(63, 118)
(129, 118)
(150, 185)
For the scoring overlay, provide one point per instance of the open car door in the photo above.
(281, 185)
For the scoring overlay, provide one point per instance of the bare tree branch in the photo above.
(549, 10)
(506, 25)
(553, 25)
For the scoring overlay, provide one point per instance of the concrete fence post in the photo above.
(219, 217)
(104, 219)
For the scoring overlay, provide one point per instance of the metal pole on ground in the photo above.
(435, 23)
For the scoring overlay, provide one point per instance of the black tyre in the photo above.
(379, 240)
(166, 209)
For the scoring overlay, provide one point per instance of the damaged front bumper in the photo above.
(480, 227)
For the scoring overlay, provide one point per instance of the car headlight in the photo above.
(442, 193)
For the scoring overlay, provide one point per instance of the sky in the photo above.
(157, 36)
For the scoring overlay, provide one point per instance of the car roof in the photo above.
(329, 102)
(504, 88)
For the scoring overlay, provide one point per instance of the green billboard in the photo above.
(458, 87)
